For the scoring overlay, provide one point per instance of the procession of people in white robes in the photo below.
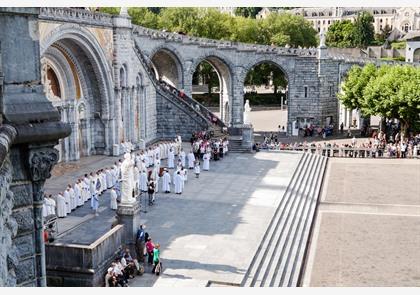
(146, 167)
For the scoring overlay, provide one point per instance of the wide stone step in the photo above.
(268, 238)
(279, 258)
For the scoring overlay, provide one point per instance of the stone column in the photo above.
(128, 214)
(41, 160)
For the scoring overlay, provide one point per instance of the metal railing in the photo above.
(346, 152)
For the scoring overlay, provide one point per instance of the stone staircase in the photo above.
(196, 109)
(279, 259)
(235, 146)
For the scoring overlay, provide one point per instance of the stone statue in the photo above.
(123, 11)
(322, 39)
(247, 111)
(127, 176)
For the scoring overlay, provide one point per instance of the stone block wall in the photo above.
(173, 119)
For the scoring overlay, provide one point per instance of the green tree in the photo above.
(364, 32)
(142, 16)
(247, 11)
(394, 93)
(354, 85)
(284, 28)
(262, 73)
(179, 19)
(383, 35)
(110, 10)
(340, 34)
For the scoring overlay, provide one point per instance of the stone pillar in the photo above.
(41, 160)
(129, 215)
(248, 137)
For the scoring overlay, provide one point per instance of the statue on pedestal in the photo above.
(247, 111)
(127, 177)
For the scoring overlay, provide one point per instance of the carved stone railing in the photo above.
(221, 44)
(197, 116)
(186, 101)
(76, 16)
(364, 60)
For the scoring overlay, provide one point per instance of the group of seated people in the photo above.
(123, 268)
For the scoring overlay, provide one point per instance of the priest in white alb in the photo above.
(166, 182)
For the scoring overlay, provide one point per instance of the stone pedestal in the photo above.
(247, 137)
(129, 215)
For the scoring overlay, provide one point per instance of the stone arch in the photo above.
(416, 55)
(167, 63)
(225, 72)
(88, 68)
(285, 68)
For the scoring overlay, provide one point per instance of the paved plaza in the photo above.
(211, 231)
(367, 228)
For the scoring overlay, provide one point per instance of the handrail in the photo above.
(186, 100)
(342, 152)
(205, 111)
(165, 91)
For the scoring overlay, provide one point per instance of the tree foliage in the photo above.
(364, 32)
(247, 11)
(340, 34)
(389, 91)
(361, 33)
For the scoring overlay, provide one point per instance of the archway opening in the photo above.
(211, 86)
(167, 67)
(73, 78)
(416, 56)
(266, 89)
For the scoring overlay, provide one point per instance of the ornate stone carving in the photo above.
(41, 162)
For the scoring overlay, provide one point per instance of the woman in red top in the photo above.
(149, 248)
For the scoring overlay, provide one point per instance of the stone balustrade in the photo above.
(76, 15)
(222, 44)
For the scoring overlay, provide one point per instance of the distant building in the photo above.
(404, 20)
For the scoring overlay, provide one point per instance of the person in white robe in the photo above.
(182, 157)
(92, 188)
(61, 206)
(109, 182)
(113, 199)
(166, 182)
(183, 174)
(178, 183)
(143, 181)
(102, 176)
(206, 162)
(171, 158)
(114, 174)
(136, 179)
(95, 204)
(191, 160)
(86, 185)
(73, 201)
(156, 177)
(78, 193)
(68, 201)
(50, 205)
(45, 207)
(197, 169)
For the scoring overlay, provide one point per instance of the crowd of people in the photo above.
(396, 146)
(149, 177)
